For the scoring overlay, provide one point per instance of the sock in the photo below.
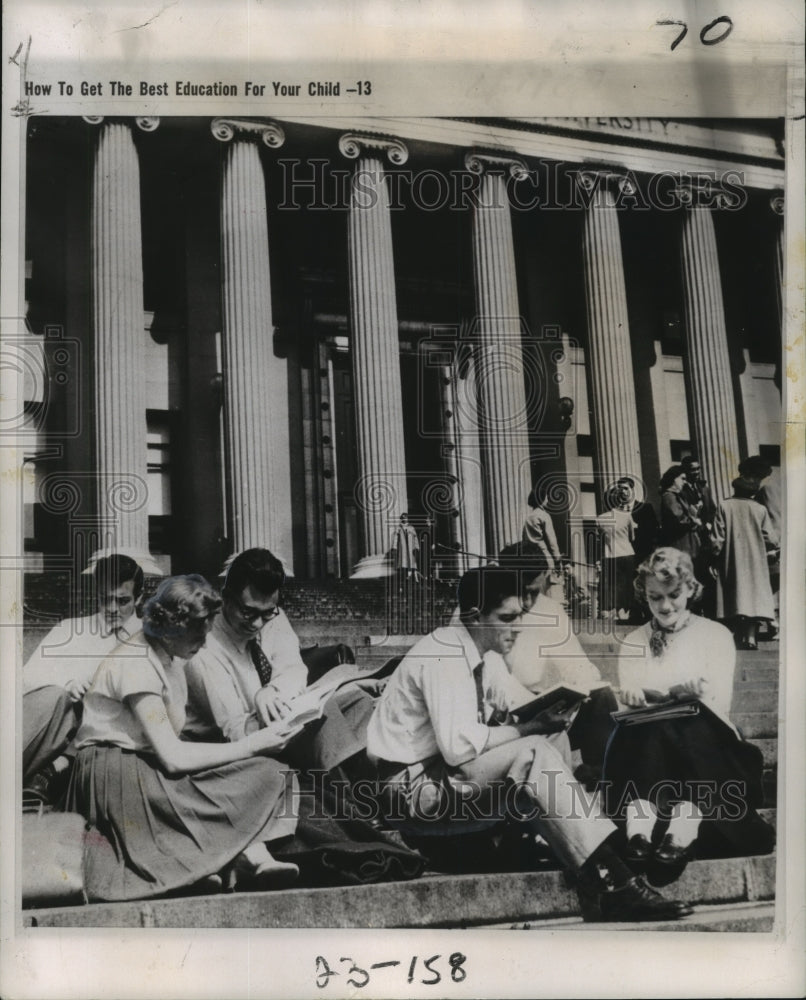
(604, 864)
(684, 824)
(641, 817)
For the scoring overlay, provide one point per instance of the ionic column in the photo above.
(374, 348)
(255, 380)
(498, 356)
(708, 364)
(609, 358)
(119, 334)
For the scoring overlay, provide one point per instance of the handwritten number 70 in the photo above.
(705, 37)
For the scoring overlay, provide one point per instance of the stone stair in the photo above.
(733, 894)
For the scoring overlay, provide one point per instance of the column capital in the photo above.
(606, 177)
(478, 163)
(225, 129)
(777, 202)
(146, 123)
(353, 144)
(701, 192)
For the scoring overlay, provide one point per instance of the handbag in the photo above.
(53, 849)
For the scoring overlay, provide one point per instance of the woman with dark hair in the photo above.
(689, 784)
(538, 529)
(172, 813)
(680, 522)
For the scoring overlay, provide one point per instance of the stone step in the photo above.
(756, 725)
(757, 673)
(769, 750)
(431, 901)
(753, 699)
(737, 917)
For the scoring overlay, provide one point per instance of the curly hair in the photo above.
(669, 565)
(178, 601)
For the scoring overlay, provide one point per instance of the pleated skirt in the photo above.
(155, 833)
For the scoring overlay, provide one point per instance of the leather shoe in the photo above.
(632, 901)
(668, 862)
(637, 853)
(269, 874)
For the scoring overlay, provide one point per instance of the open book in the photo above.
(310, 705)
(560, 698)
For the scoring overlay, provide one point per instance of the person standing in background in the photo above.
(538, 529)
(697, 494)
(756, 469)
(405, 549)
(617, 530)
(680, 521)
(742, 540)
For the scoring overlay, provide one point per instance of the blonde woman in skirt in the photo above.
(170, 814)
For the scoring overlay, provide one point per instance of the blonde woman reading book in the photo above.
(686, 786)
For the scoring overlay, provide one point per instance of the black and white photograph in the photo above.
(405, 526)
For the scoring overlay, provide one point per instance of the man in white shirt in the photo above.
(61, 668)
(436, 750)
(251, 669)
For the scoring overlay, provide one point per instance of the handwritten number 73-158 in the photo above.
(426, 968)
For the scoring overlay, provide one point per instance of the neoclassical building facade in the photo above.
(287, 332)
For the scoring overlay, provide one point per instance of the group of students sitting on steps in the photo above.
(204, 750)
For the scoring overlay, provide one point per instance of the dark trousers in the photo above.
(590, 730)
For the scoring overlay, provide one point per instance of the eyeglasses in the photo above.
(252, 614)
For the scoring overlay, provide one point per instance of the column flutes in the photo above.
(375, 347)
(709, 370)
(609, 356)
(498, 354)
(119, 334)
(255, 380)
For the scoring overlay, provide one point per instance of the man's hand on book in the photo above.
(270, 705)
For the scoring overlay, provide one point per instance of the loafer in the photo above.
(270, 874)
(633, 901)
(637, 853)
(668, 862)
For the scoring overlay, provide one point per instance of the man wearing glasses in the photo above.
(250, 668)
(447, 750)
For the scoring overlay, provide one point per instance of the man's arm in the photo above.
(460, 736)
(215, 698)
